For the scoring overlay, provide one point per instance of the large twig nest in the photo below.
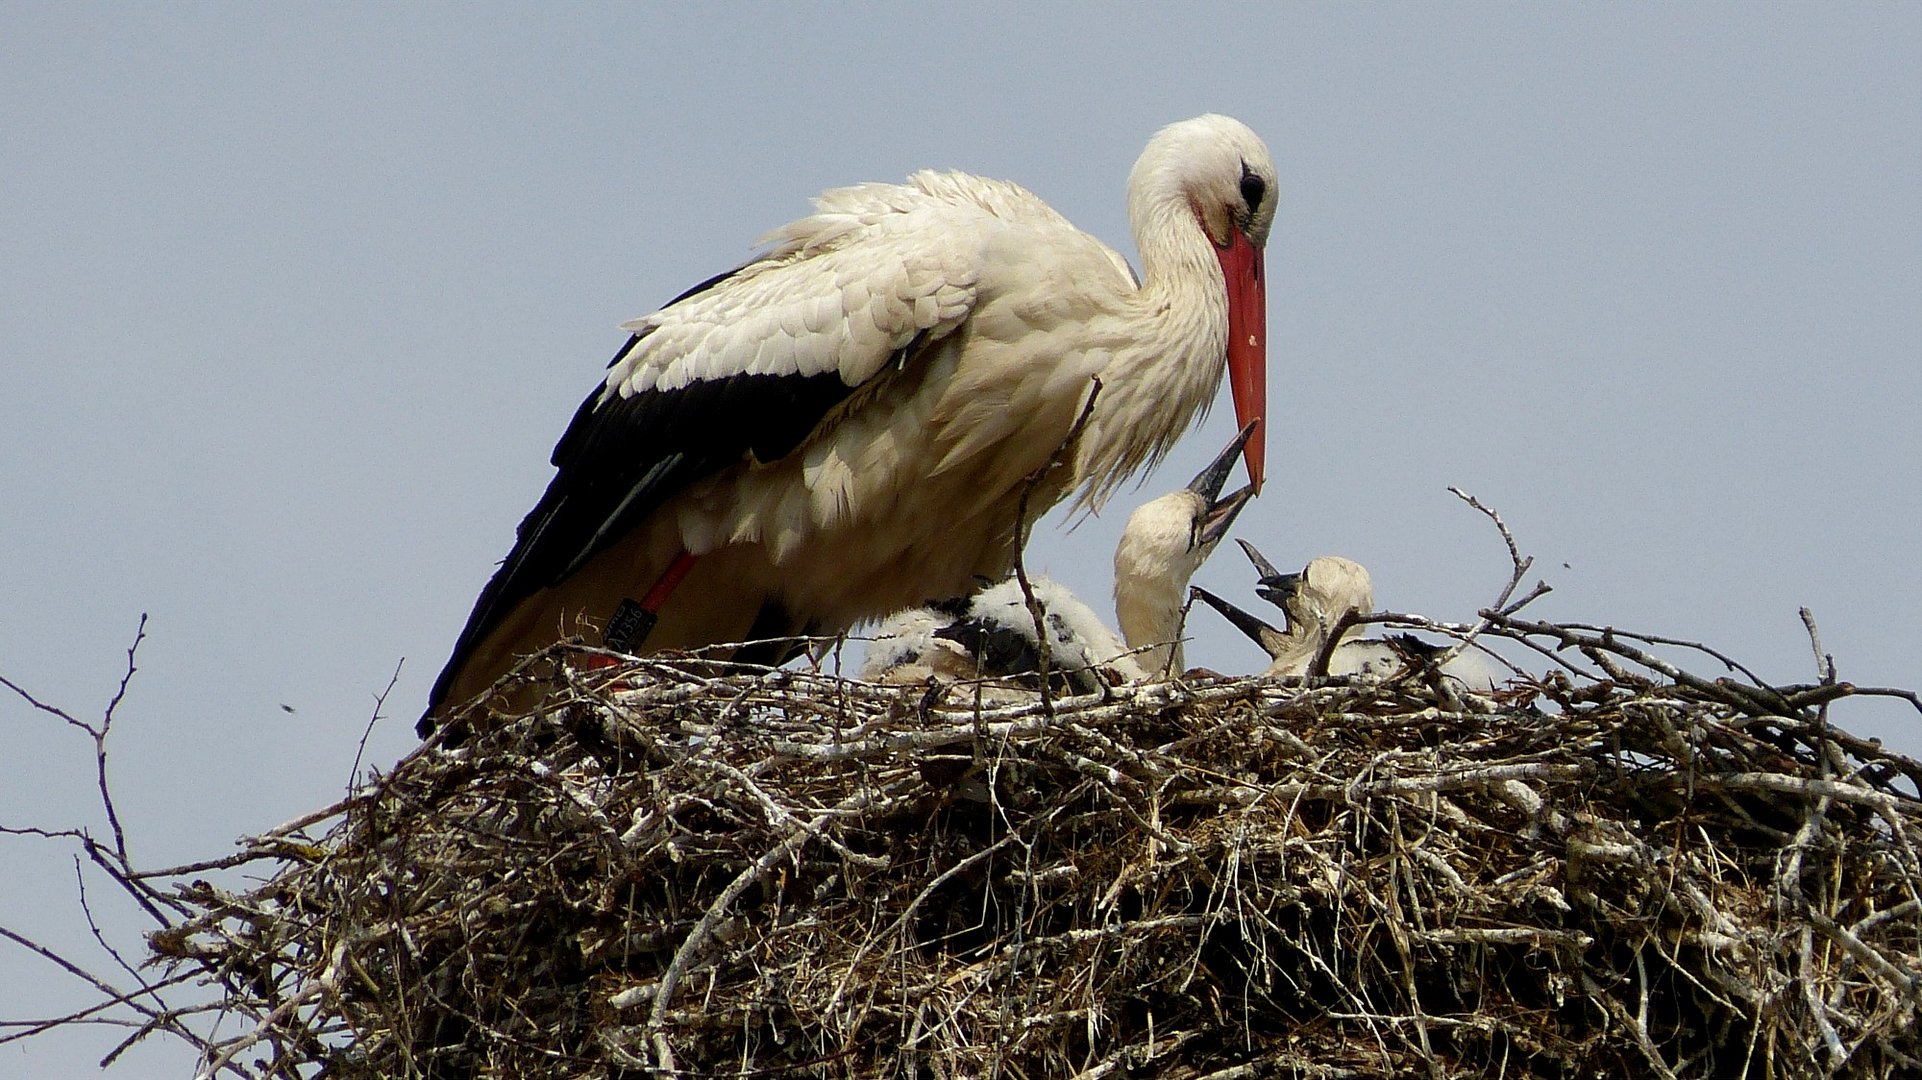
(664, 872)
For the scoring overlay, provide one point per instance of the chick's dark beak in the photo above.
(1271, 584)
(1262, 634)
(1208, 482)
(1279, 589)
(1223, 511)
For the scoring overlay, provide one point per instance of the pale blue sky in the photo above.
(295, 300)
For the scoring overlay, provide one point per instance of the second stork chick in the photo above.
(1318, 603)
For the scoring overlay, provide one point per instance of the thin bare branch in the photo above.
(1063, 457)
(100, 745)
(380, 702)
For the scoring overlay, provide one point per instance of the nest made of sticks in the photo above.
(663, 870)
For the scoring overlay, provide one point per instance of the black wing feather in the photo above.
(621, 458)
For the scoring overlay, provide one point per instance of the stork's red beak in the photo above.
(1241, 266)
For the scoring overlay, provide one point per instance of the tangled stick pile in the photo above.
(668, 872)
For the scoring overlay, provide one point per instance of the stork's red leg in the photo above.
(627, 630)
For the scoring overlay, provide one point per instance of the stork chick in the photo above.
(1317, 603)
(993, 634)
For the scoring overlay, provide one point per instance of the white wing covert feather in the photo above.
(841, 290)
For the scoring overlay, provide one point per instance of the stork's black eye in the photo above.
(1252, 187)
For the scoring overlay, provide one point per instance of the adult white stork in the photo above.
(994, 633)
(844, 425)
(1317, 601)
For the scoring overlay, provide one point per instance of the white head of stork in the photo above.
(1317, 601)
(993, 634)
(847, 423)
